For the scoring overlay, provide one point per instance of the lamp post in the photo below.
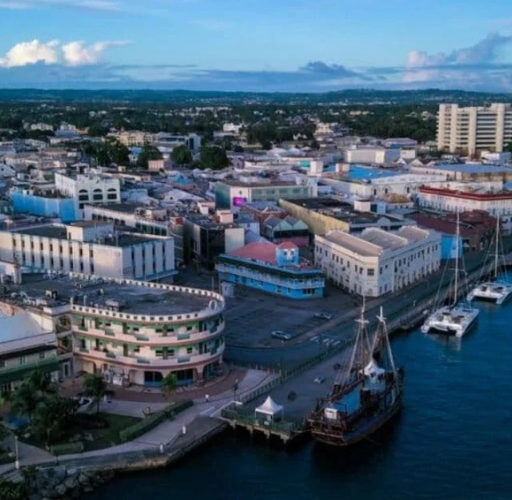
(17, 462)
(235, 388)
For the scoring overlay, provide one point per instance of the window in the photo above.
(371, 272)
(189, 350)
(22, 360)
(42, 355)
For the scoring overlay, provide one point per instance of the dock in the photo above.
(284, 430)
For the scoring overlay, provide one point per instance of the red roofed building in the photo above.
(276, 269)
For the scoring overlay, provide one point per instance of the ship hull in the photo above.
(345, 439)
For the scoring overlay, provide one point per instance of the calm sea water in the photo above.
(453, 439)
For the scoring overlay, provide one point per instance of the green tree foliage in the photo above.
(95, 386)
(169, 384)
(148, 153)
(107, 152)
(31, 392)
(181, 155)
(214, 157)
(51, 417)
(10, 490)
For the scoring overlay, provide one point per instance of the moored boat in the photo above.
(366, 395)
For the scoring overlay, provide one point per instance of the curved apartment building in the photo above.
(137, 332)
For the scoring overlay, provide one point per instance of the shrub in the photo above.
(175, 408)
(136, 430)
(67, 449)
(89, 422)
(6, 458)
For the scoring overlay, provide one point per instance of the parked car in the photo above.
(279, 334)
(319, 380)
(324, 315)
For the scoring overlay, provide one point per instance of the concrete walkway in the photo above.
(165, 435)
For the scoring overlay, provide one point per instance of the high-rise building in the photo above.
(471, 129)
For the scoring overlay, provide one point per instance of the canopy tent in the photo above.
(270, 409)
(372, 369)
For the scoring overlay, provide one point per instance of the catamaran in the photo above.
(494, 290)
(365, 396)
(457, 318)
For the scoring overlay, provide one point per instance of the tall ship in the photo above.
(456, 318)
(494, 290)
(365, 396)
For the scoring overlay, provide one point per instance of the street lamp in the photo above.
(17, 462)
(235, 388)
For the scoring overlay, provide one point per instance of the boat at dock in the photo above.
(365, 396)
(457, 318)
(494, 290)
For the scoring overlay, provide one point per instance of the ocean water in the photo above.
(453, 439)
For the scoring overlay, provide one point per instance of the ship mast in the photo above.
(496, 249)
(359, 342)
(457, 250)
(383, 332)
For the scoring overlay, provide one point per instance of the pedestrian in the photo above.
(207, 397)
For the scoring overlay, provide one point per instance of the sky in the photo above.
(256, 45)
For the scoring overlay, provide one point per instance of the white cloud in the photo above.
(75, 53)
(84, 4)
(32, 52)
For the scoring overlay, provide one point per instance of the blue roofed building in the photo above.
(276, 269)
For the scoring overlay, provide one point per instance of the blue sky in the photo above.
(256, 45)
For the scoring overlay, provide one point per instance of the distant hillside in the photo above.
(184, 97)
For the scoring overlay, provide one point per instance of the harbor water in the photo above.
(453, 439)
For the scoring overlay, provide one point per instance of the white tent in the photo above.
(269, 409)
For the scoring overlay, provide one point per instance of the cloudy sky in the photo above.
(256, 45)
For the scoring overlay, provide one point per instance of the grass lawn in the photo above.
(103, 438)
(93, 439)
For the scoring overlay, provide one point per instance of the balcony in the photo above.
(138, 359)
(13, 373)
(174, 339)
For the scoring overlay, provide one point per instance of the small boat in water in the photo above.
(365, 396)
(494, 290)
(458, 317)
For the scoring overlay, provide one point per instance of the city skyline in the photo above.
(255, 45)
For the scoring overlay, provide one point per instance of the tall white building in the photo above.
(377, 262)
(473, 129)
(91, 187)
(89, 247)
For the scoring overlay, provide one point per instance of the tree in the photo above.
(214, 157)
(148, 153)
(181, 155)
(118, 153)
(169, 384)
(51, 417)
(31, 392)
(95, 386)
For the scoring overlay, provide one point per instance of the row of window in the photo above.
(61, 248)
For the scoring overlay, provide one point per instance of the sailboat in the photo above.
(365, 396)
(495, 290)
(457, 318)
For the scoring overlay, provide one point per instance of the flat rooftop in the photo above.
(135, 299)
(469, 168)
(59, 232)
(127, 208)
(270, 183)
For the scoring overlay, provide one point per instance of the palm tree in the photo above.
(169, 384)
(95, 386)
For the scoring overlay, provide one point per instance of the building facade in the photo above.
(275, 269)
(472, 129)
(139, 332)
(376, 261)
(233, 194)
(89, 247)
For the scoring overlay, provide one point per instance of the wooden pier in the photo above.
(285, 430)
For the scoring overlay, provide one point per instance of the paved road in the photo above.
(315, 338)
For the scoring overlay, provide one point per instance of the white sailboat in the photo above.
(455, 319)
(494, 290)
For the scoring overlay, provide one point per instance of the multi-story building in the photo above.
(138, 332)
(472, 172)
(473, 129)
(289, 229)
(371, 155)
(497, 203)
(233, 194)
(133, 138)
(325, 214)
(165, 140)
(90, 247)
(376, 261)
(26, 345)
(91, 187)
(270, 268)
(206, 237)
